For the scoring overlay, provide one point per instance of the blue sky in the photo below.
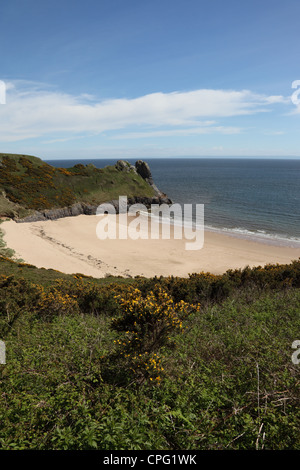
(127, 78)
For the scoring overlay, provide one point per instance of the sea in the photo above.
(252, 198)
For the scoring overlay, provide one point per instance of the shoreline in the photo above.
(71, 245)
(264, 238)
(245, 234)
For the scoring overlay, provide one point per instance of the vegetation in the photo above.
(203, 362)
(27, 184)
(4, 251)
(139, 364)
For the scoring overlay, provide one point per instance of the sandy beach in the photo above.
(71, 245)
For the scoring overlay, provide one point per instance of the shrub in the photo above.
(147, 323)
(55, 303)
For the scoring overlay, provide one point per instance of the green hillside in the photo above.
(135, 364)
(27, 184)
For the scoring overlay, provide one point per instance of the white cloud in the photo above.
(179, 132)
(32, 111)
(274, 133)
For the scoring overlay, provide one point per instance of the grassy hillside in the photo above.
(27, 183)
(136, 364)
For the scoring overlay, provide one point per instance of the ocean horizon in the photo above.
(256, 199)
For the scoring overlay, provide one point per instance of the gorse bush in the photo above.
(18, 297)
(150, 319)
(147, 323)
(199, 287)
(55, 303)
(91, 298)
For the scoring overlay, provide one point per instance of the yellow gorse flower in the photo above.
(147, 321)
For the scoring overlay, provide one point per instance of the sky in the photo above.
(150, 78)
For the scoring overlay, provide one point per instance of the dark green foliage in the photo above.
(230, 382)
(204, 287)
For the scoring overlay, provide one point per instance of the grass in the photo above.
(11, 209)
(228, 381)
(48, 277)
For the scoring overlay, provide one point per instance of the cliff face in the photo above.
(87, 209)
(143, 169)
(38, 191)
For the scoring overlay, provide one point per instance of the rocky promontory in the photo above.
(142, 168)
(32, 190)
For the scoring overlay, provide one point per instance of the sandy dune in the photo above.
(71, 245)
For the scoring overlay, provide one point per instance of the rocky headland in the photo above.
(60, 192)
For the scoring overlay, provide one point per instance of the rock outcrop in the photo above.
(142, 169)
(60, 212)
(87, 209)
(123, 165)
